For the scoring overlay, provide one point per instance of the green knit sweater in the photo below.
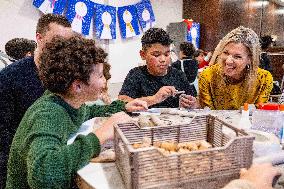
(40, 157)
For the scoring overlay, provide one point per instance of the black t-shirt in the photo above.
(140, 83)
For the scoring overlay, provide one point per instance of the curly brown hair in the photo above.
(17, 48)
(44, 21)
(187, 48)
(65, 60)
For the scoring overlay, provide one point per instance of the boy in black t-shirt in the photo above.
(157, 83)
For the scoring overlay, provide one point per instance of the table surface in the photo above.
(107, 176)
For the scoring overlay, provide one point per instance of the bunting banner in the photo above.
(145, 14)
(193, 34)
(80, 13)
(128, 21)
(105, 21)
(50, 6)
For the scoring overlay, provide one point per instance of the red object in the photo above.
(189, 23)
(268, 106)
(203, 64)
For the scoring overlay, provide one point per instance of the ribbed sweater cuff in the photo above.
(95, 144)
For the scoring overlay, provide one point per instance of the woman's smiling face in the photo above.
(235, 57)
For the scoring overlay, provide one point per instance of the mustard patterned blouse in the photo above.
(215, 93)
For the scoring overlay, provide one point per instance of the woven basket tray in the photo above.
(211, 168)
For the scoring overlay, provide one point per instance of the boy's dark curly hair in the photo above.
(65, 60)
(187, 48)
(44, 21)
(155, 35)
(17, 48)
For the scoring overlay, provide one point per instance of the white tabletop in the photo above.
(101, 176)
(107, 176)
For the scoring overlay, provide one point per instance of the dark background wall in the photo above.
(218, 17)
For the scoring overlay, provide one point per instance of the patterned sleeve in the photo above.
(131, 84)
(205, 97)
(266, 81)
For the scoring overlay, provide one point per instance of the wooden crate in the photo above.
(147, 168)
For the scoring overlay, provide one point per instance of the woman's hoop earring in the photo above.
(248, 66)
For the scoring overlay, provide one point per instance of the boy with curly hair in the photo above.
(72, 72)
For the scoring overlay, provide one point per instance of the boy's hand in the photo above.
(164, 93)
(187, 101)
(136, 105)
(106, 131)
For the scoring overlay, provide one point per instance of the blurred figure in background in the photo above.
(186, 62)
(265, 43)
(19, 48)
(202, 57)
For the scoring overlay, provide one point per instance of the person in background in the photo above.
(156, 82)
(105, 96)
(20, 85)
(202, 57)
(71, 70)
(187, 63)
(265, 42)
(259, 176)
(234, 77)
(19, 48)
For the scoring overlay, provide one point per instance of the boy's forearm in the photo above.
(151, 100)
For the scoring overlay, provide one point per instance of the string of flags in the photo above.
(81, 12)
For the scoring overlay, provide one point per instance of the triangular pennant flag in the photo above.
(50, 6)
(105, 21)
(128, 21)
(80, 13)
(145, 14)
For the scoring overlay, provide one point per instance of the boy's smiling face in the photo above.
(157, 58)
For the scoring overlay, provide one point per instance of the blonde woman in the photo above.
(234, 76)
